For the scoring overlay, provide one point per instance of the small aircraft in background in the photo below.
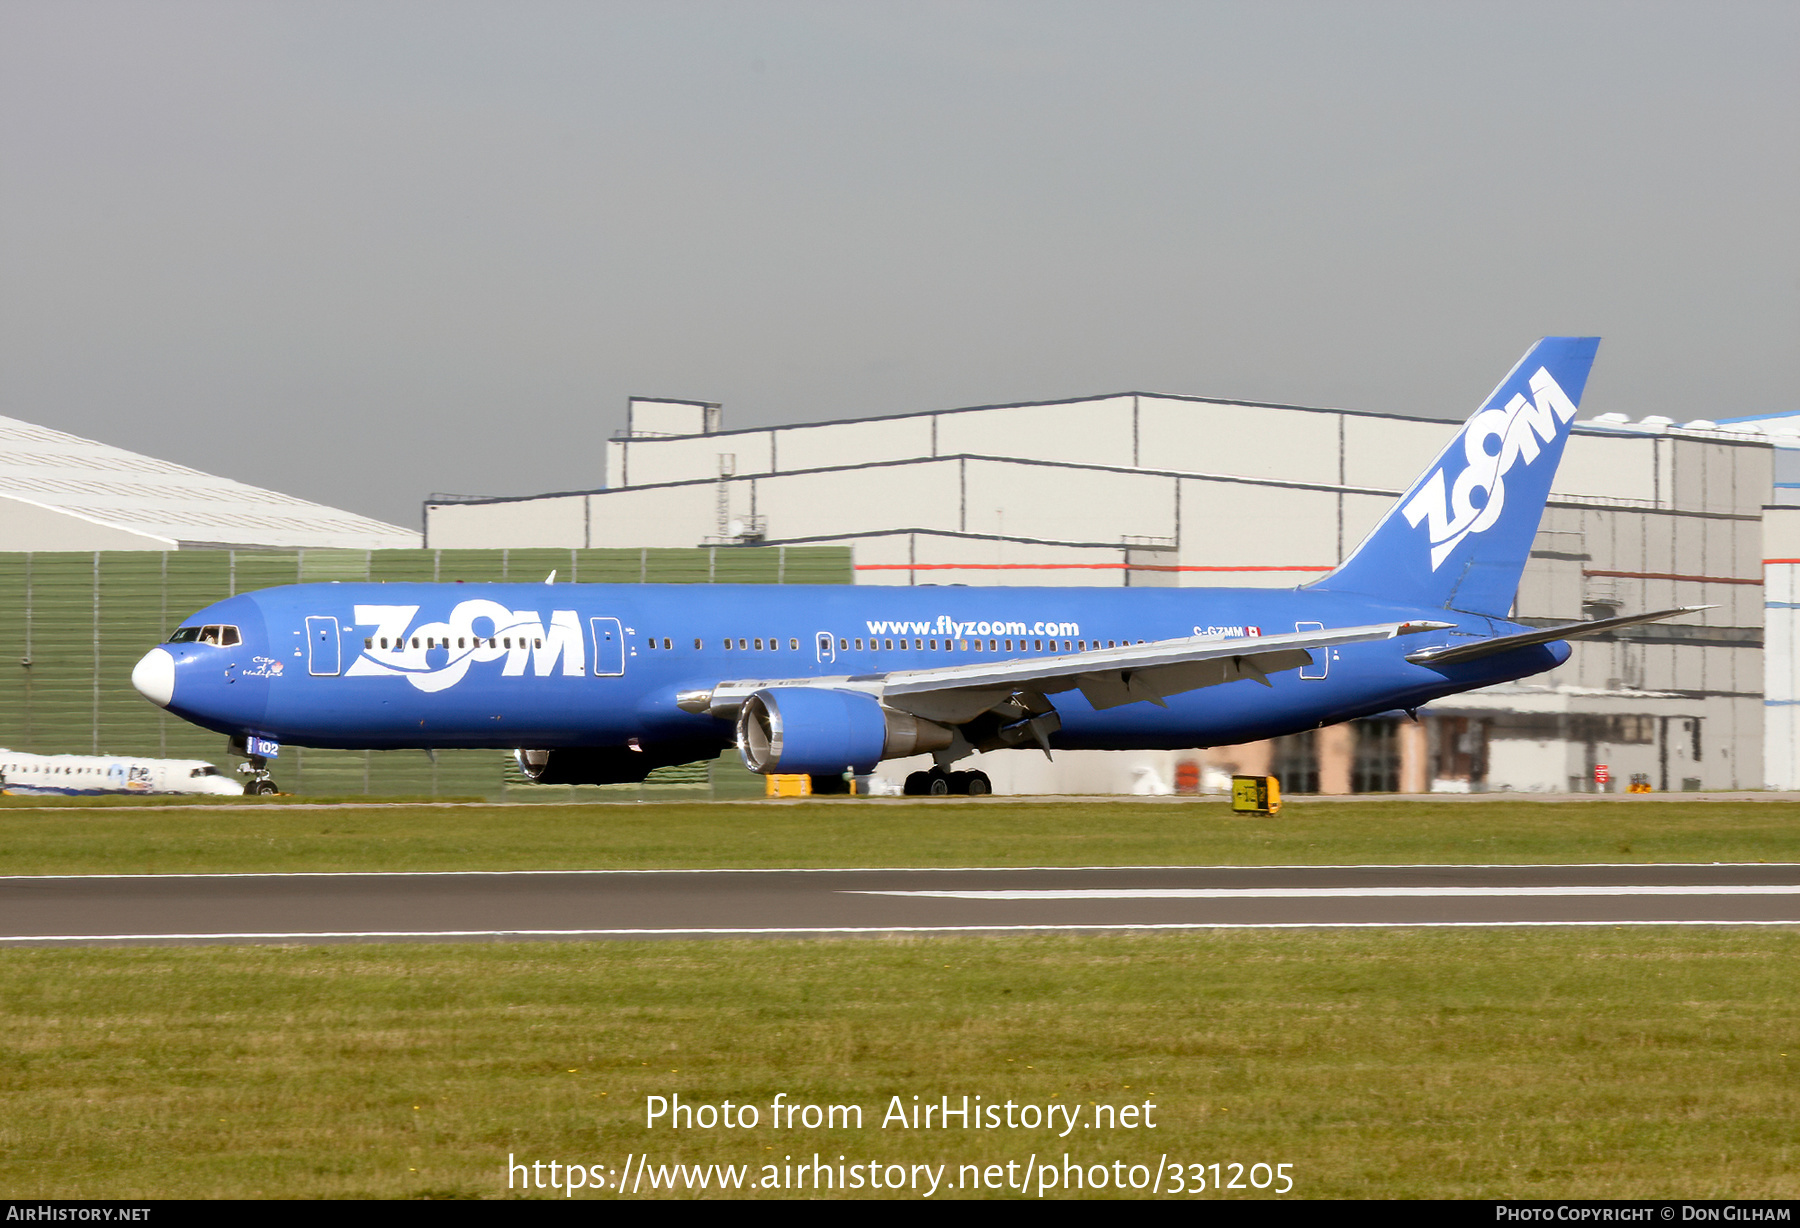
(22, 774)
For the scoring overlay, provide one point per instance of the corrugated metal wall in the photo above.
(81, 620)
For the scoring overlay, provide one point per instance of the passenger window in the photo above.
(759, 643)
(843, 645)
(668, 643)
(368, 643)
(727, 644)
(696, 645)
(743, 644)
(793, 645)
(888, 645)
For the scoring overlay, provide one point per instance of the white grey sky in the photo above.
(363, 251)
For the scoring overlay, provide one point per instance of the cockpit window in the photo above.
(224, 635)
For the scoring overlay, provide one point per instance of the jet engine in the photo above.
(818, 731)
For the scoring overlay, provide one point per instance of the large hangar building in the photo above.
(62, 492)
(1139, 489)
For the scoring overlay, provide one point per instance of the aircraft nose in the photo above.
(154, 677)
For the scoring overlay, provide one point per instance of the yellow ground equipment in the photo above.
(1255, 795)
(787, 786)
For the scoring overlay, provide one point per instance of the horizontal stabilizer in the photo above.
(1451, 654)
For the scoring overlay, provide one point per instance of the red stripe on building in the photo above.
(1766, 562)
(1059, 567)
(1663, 575)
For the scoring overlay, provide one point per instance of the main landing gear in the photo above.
(939, 783)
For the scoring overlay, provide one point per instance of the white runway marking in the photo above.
(802, 931)
(765, 870)
(1313, 893)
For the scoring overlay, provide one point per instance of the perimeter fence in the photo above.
(82, 619)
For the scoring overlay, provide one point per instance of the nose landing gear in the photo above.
(260, 781)
(939, 783)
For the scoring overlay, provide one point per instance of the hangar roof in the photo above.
(170, 503)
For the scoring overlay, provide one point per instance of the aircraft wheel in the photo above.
(918, 784)
(980, 785)
(259, 787)
(939, 786)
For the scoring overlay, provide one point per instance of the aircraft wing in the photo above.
(1474, 650)
(1108, 677)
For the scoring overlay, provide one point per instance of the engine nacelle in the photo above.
(821, 732)
(606, 765)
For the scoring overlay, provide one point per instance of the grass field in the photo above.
(1545, 1063)
(131, 840)
(1566, 1064)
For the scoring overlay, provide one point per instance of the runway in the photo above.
(577, 905)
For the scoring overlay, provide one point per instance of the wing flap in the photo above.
(1117, 687)
(950, 707)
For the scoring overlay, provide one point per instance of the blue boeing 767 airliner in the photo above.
(600, 683)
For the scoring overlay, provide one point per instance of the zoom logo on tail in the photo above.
(1494, 441)
(1459, 539)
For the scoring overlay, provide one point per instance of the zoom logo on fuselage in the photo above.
(435, 656)
(1519, 431)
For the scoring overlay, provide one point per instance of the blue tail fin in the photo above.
(1460, 537)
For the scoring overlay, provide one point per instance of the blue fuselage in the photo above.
(388, 666)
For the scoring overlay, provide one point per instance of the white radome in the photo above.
(154, 677)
